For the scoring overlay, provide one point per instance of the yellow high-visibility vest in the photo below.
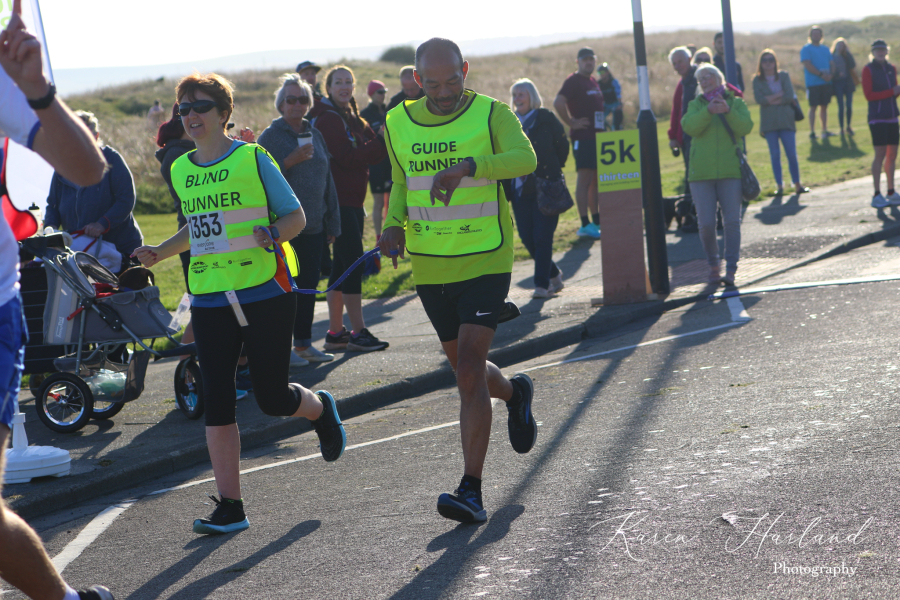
(222, 203)
(471, 222)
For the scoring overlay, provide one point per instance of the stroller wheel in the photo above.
(189, 388)
(64, 403)
(106, 410)
(34, 383)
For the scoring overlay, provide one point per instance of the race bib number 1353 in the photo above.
(208, 233)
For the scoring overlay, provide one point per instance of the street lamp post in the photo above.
(651, 189)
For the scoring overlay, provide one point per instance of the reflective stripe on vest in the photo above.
(471, 223)
(222, 203)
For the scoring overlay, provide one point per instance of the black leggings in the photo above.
(347, 248)
(267, 340)
(309, 255)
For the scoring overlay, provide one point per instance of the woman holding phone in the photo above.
(300, 151)
(237, 206)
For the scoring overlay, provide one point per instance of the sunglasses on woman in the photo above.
(295, 99)
(199, 107)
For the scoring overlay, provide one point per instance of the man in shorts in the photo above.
(32, 115)
(816, 59)
(448, 153)
(579, 104)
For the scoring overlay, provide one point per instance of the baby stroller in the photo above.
(88, 317)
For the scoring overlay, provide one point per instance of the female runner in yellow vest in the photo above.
(234, 196)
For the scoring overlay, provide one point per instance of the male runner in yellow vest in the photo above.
(447, 209)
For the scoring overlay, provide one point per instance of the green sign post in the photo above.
(621, 217)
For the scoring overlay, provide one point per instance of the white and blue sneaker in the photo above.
(226, 518)
(464, 505)
(893, 199)
(332, 437)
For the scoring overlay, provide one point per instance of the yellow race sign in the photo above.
(618, 161)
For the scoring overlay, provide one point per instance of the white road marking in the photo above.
(101, 522)
(738, 312)
(641, 345)
(90, 533)
(800, 286)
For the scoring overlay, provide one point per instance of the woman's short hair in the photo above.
(213, 85)
(759, 69)
(708, 68)
(704, 50)
(528, 85)
(679, 50)
(288, 80)
(90, 120)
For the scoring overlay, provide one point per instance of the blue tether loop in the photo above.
(334, 285)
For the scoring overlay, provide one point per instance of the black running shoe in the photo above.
(365, 342)
(464, 505)
(332, 437)
(522, 428)
(337, 342)
(227, 517)
(96, 592)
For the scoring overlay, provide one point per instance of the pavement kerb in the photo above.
(139, 473)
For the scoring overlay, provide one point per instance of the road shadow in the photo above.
(889, 217)
(778, 209)
(459, 544)
(205, 546)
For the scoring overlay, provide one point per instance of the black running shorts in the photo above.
(476, 301)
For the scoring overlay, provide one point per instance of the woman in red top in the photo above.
(353, 147)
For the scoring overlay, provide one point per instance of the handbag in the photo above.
(553, 197)
(749, 183)
(798, 112)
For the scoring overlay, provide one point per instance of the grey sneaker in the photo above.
(365, 342)
(313, 354)
(556, 283)
(540, 292)
(894, 199)
(879, 201)
(298, 361)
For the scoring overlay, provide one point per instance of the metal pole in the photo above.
(728, 42)
(651, 184)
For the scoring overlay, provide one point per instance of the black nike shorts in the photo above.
(476, 301)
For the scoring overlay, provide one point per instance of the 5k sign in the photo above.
(618, 161)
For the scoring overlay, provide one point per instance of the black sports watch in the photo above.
(275, 234)
(47, 100)
(472, 166)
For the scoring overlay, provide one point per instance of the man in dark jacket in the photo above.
(719, 60)
(410, 89)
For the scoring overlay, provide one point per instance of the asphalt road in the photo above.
(700, 455)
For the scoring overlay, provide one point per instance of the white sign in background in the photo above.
(27, 174)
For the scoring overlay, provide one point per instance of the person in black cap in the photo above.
(879, 83)
(579, 105)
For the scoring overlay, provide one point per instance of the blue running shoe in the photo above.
(226, 518)
(522, 428)
(464, 505)
(332, 437)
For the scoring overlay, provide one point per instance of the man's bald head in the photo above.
(438, 48)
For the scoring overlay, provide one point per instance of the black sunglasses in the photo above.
(295, 99)
(199, 107)
(381, 91)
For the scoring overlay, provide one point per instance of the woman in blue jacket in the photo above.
(102, 209)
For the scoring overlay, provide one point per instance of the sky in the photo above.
(112, 33)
